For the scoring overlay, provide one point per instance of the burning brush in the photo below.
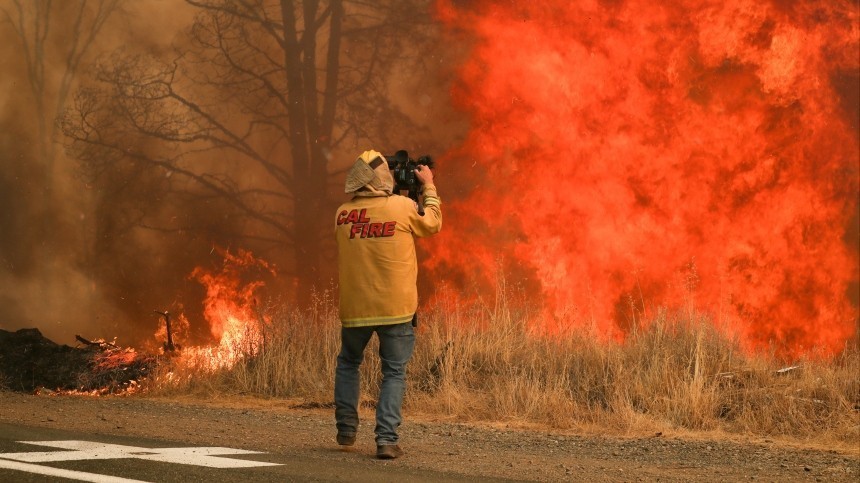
(29, 362)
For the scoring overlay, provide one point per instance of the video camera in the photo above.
(404, 174)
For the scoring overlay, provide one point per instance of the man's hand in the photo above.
(424, 175)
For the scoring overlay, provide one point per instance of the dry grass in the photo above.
(482, 363)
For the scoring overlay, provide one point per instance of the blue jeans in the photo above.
(395, 348)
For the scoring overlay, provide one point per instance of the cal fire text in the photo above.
(363, 227)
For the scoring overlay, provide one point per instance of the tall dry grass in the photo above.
(483, 362)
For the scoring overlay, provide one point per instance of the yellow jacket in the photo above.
(377, 266)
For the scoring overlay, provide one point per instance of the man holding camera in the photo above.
(378, 272)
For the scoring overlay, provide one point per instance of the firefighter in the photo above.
(378, 270)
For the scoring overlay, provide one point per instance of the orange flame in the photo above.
(630, 154)
(230, 308)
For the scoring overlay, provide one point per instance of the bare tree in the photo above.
(252, 111)
(54, 33)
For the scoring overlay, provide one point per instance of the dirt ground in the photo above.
(469, 450)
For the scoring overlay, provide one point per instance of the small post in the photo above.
(168, 346)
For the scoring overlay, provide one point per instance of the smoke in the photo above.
(629, 155)
(47, 220)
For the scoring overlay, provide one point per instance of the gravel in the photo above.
(459, 449)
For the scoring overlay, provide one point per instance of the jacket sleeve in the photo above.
(431, 222)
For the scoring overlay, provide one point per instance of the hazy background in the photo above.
(138, 139)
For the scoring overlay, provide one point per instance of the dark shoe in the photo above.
(388, 451)
(346, 439)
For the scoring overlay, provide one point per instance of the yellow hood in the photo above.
(369, 176)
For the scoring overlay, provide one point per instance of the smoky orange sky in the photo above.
(626, 155)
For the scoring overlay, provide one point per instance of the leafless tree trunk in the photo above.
(306, 123)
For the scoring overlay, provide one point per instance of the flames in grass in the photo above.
(98, 368)
(231, 311)
(630, 154)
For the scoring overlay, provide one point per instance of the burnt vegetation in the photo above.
(29, 362)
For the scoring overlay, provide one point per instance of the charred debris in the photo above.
(29, 362)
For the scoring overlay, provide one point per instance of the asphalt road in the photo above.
(75, 456)
(144, 439)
